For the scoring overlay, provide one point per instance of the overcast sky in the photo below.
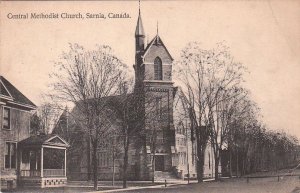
(263, 35)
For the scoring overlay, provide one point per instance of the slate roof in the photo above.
(107, 100)
(110, 102)
(9, 90)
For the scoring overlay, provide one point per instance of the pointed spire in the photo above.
(139, 31)
(157, 37)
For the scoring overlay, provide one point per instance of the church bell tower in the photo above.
(153, 81)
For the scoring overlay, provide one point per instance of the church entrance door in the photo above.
(159, 163)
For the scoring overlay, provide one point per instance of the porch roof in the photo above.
(39, 140)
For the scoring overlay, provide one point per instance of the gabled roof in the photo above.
(109, 103)
(156, 40)
(39, 140)
(10, 91)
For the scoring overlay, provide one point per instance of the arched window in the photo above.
(157, 69)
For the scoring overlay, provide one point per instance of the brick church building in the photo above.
(174, 155)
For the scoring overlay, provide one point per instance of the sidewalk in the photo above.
(132, 185)
(138, 185)
(119, 184)
(132, 188)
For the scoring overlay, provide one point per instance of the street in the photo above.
(285, 185)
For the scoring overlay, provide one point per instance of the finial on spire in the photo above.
(139, 6)
(157, 28)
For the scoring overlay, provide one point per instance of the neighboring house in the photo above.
(174, 151)
(186, 157)
(21, 155)
(15, 112)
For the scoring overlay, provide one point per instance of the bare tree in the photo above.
(35, 124)
(155, 111)
(212, 83)
(48, 114)
(224, 77)
(127, 114)
(208, 76)
(42, 121)
(260, 149)
(131, 109)
(191, 71)
(237, 108)
(87, 78)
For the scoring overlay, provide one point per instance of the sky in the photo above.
(263, 35)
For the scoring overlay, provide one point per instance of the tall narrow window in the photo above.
(10, 155)
(99, 159)
(158, 107)
(157, 69)
(6, 118)
(7, 155)
(103, 159)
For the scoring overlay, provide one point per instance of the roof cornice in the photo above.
(23, 105)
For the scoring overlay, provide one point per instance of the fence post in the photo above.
(247, 179)
(278, 178)
(165, 183)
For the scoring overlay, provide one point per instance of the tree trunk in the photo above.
(237, 164)
(88, 154)
(201, 145)
(217, 159)
(243, 165)
(113, 174)
(153, 168)
(200, 163)
(125, 165)
(230, 163)
(154, 137)
(95, 165)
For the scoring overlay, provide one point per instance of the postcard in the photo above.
(150, 96)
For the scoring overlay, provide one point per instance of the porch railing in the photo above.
(46, 172)
(54, 172)
(30, 173)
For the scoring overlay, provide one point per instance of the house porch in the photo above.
(42, 164)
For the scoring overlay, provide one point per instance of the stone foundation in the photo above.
(8, 183)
